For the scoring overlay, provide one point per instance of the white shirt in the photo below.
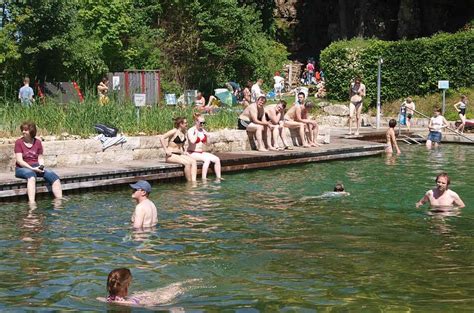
(256, 92)
(278, 80)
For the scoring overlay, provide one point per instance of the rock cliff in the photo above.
(307, 27)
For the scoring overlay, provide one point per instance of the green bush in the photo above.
(410, 67)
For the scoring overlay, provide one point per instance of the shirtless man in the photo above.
(441, 196)
(299, 114)
(253, 120)
(274, 114)
(145, 214)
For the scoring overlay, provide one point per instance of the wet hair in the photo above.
(339, 187)
(178, 120)
(26, 80)
(262, 98)
(308, 104)
(301, 93)
(105, 79)
(283, 103)
(443, 174)
(30, 126)
(196, 116)
(437, 109)
(118, 281)
(392, 123)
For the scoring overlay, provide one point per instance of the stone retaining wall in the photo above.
(64, 153)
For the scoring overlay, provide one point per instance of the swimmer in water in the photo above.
(119, 280)
(441, 196)
(339, 191)
(117, 285)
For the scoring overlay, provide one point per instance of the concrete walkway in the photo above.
(102, 175)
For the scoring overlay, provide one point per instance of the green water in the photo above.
(253, 245)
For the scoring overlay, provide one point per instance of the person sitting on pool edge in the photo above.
(197, 137)
(145, 215)
(274, 114)
(30, 162)
(174, 149)
(441, 196)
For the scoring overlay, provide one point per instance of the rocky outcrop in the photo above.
(307, 27)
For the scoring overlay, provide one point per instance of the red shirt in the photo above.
(30, 155)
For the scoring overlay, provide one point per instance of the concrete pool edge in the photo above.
(87, 177)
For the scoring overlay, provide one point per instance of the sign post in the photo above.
(443, 84)
(379, 83)
(139, 99)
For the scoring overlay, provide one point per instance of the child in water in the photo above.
(119, 280)
(391, 139)
(117, 286)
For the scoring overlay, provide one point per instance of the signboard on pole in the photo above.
(443, 84)
(139, 99)
(116, 83)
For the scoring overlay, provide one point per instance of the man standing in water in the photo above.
(145, 214)
(441, 196)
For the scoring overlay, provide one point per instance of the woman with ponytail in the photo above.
(174, 148)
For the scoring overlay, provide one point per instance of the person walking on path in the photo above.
(257, 91)
(461, 108)
(26, 93)
(30, 162)
(441, 195)
(103, 90)
(145, 215)
(410, 107)
(435, 126)
(356, 94)
(174, 148)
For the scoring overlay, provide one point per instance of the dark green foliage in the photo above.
(411, 67)
(198, 44)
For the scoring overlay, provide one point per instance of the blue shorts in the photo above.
(49, 176)
(434, 136)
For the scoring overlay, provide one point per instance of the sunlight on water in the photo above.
(259, 241)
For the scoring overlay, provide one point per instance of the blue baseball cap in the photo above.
(143, 185)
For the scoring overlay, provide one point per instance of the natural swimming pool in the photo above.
(253, 244)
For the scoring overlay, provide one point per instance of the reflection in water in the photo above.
(391, 159)
(31, 228)
(254, 240)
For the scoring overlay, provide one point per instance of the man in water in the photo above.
(441, 196)
(145, 214)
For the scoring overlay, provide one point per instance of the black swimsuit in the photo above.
(177, 140)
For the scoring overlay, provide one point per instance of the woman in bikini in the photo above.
(461, 108)
(174, 149)
(198, 137)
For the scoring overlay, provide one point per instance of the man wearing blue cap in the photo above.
(145, 214)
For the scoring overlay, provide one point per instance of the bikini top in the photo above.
(121, 299)
(201, 137)
(177, 140)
